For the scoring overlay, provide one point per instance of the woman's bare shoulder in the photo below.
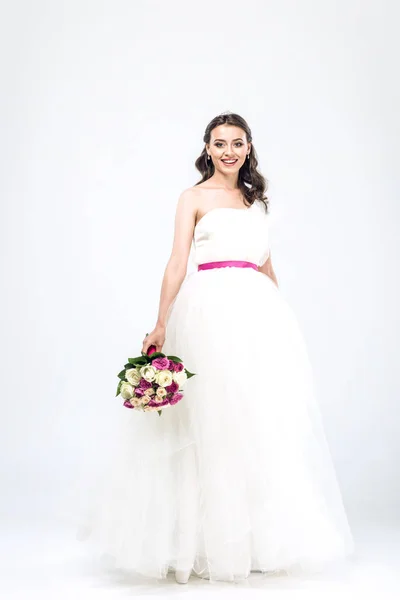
(199, 193)
(193, 199)
(195, 191)
(189, 200)
(193, 196)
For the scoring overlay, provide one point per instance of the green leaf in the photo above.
(121, 375)
(119, 388)
(189, 374)
(175, 358)
(159, 412)
(139, 360)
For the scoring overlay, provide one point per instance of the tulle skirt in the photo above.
(237, 477)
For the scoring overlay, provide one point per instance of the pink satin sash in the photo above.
(227, 263)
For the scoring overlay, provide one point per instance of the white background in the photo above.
(103, 109)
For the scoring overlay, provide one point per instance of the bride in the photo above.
(237, 477)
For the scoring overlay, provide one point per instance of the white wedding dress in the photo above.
(237, 477)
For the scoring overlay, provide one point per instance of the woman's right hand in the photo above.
(155, 338)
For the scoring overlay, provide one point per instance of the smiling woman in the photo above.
(237, 477)
(229, 158)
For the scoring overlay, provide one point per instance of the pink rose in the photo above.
(144, 385)
(178, 367)
(175, 398)
(174, 387)
(151, 349)
(161, 363)
(128, 404)
(158, 404)
(139, 392)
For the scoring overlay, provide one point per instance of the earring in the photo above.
(248, 156)
(208, 157)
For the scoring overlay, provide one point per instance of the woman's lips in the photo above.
(229, 164)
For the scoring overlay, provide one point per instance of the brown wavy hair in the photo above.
(251, 183)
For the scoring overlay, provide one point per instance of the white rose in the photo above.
(149, 392)
(180, 378)
(164, 378)
(135, 401)
(151, 408)
(126, 390)
(133, 376)
(161, 392)
(148, 372)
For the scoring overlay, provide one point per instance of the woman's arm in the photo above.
(267, 269)
(175, 271)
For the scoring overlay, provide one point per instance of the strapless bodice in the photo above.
(226, 233)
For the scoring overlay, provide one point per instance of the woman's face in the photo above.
(228, 143)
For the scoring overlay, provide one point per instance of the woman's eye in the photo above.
(218, 144)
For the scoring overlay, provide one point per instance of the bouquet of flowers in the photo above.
(151, 381)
